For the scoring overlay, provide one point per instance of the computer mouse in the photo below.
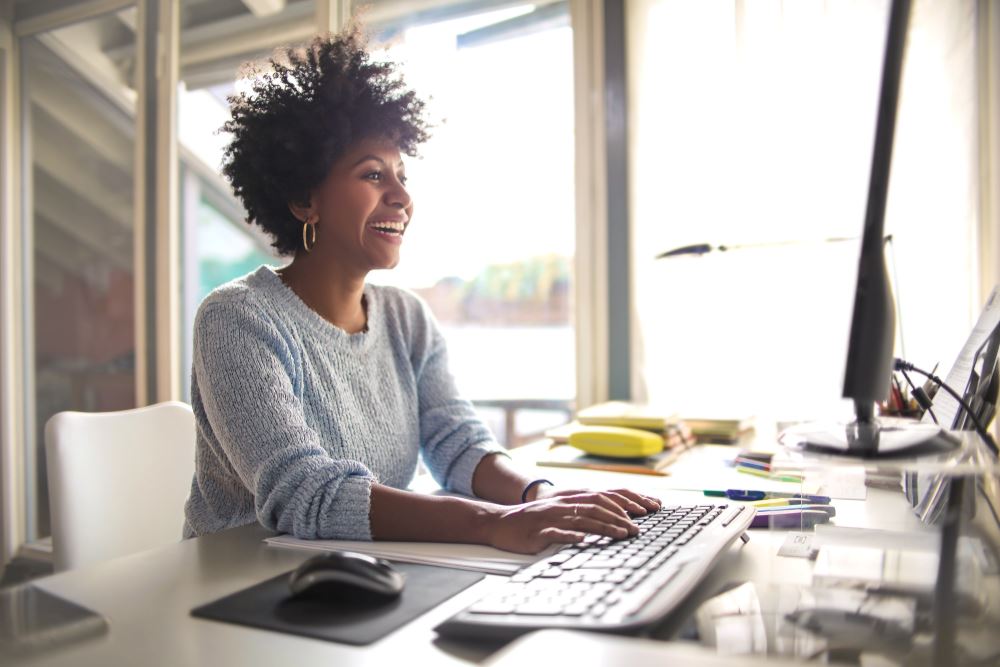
(340, 574)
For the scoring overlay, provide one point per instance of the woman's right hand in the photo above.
(531, 527)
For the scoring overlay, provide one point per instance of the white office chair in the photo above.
(117, 480)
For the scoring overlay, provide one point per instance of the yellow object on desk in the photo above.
(564, 456)
(617, 442)
(784, 502)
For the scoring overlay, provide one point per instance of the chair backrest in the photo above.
(117, 480)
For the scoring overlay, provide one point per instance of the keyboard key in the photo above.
(603, 563)
(559, 558)
(539, 609)
(576, 561)
(487, 607)
(571, 577)
(730, 516)
(599, 610)
(575, 609)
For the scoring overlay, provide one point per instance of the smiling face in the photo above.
(362, 208)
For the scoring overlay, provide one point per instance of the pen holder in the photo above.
(900, 402)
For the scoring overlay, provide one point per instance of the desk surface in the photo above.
(146, 598)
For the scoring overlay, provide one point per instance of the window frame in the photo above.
(19, 447)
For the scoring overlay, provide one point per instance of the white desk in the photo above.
(146, 598)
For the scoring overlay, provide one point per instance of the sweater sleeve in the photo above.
(244, 370)
(453, 438)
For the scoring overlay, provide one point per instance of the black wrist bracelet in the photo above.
(532, 484)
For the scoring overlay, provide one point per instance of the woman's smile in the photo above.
(390, 231)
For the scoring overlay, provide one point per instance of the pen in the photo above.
(819, 500)
(734, 494)
(761, 473)
(784, 502)
(759, 457)
(749, 494)
(788, 519)
(755, 465)
(830, 510)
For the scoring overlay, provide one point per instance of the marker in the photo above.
(760, 457)
(793, 519)
(830, 510)
(735, 494)
(755, 465)
(784, 502)
(768, 475)
(750, 494)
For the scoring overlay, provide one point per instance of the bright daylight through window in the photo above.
(754, 124)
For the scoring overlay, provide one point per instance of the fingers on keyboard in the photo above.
(614, 502)
(593, 526)
(648, 503)
(626, 503)
(612, 518)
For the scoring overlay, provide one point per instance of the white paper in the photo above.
(945, 407)
(462, 556)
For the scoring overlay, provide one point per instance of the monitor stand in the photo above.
(871, 437)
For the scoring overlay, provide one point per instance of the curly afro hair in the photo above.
(302, 113)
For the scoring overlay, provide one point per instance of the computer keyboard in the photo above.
(609, 585)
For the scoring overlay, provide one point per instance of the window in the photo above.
(218, 245)
(79, 153)
(753, 124)
(491, 248)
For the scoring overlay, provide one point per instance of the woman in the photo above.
(314, 392)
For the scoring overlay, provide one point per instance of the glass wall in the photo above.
(78, 101)
(79, 148)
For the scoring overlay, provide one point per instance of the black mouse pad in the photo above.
(359, 620)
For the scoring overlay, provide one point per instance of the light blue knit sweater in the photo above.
(297, 418)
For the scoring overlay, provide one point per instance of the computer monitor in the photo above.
(873, 327)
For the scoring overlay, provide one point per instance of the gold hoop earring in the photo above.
(308, 235)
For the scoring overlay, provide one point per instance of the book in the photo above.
(631, 415)
(720, 430)
(447, 554)
(561, 455)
